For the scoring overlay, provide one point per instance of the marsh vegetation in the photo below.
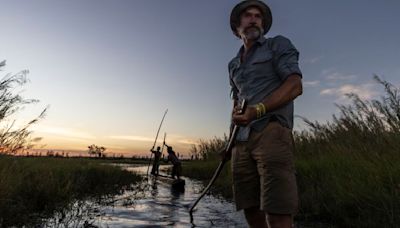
(348, 169)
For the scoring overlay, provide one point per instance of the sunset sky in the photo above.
(109, 69)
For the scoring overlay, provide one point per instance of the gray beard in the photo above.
(252, 33)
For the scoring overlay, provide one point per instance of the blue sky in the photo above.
(109, 69)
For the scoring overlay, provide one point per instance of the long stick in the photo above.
(228, 148)
(158, 131)
(165, 135)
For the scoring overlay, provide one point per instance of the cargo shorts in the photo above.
(263, 171)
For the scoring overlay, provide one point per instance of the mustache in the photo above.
(252, 27)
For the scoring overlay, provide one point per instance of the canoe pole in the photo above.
(154, 144)
(227, 150)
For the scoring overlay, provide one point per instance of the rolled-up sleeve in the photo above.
(286, 57)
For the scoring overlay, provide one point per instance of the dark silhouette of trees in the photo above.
(96, 150)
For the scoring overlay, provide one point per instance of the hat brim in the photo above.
(239, 8)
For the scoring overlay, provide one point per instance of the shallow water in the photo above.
(152, 204)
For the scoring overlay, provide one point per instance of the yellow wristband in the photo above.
(263, 108)
(260, 108)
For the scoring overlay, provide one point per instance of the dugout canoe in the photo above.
(176, 184)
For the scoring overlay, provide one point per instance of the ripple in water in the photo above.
(153, 203)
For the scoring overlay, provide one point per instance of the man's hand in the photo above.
(225, 156)
(244, 119)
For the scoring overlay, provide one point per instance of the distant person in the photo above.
(156, 162)
(177, 167)
(265, 72)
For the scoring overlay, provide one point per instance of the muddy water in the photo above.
(152, 204)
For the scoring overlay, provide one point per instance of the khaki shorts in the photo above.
(263, 171)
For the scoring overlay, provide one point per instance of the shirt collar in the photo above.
(260, 41)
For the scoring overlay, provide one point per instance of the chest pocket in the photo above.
(262, 63)
(261, 57)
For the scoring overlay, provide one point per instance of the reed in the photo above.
(37, 187)
(348, 169)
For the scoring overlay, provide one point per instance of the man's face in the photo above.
(251, 26)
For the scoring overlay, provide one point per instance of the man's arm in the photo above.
(288, 91)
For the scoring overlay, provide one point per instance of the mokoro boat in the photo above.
(176, 184)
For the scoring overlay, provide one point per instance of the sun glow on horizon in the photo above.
(69, 139)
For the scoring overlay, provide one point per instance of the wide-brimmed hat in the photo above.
(239, 8)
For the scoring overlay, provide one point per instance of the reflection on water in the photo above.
(152, 204)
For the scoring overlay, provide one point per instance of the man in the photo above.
(156, 162)
(177, 167)
(265, 73)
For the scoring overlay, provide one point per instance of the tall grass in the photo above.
(15, 139)
(348, 169)
(32, 188)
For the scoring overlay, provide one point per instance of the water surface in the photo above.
(153, 203)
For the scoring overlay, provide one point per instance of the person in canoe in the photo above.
(177, 167)
(156, 162)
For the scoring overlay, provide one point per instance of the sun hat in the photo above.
(240, 7)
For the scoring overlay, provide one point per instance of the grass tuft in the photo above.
(32, 188)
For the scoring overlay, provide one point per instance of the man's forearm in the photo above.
(287, 92)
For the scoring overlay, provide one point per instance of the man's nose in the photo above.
(252, 23)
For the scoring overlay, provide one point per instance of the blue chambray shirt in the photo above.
(267, 65)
